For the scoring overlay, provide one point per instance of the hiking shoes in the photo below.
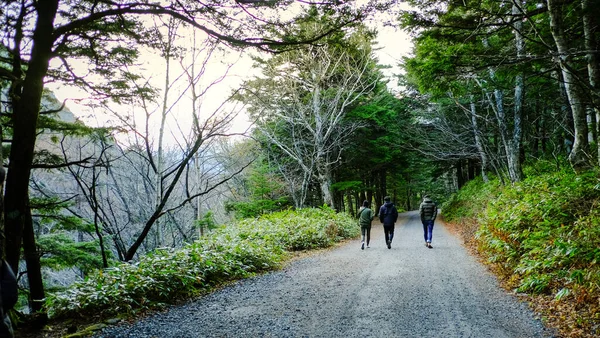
(362, 246)
(429, 246)
(389, 244)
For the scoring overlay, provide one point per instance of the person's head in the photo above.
(426, 197)
(365, 203)
(387, 199)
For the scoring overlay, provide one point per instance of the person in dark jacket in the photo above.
(388, 215)
(428, 212)
(365, 217)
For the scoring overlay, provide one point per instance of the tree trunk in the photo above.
(478, 142)
(370, 188)
(2, 228)
(514, 163)
(590, 28)
(460, 180)
(472, 167)
(578, 156)
(362, 195)
(34, 268)
(324, 177)
(159, 165)
(499, 111)
(382, 186)
(26, 107)
(408, 199)
(158, 212)
(97, 218)
(538, 136)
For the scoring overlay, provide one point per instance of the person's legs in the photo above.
(389, 234)
(363, 230)
(368, 235)
(429, 231)
(425, 230)
(386, 233)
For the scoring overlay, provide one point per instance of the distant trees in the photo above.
(259, 189)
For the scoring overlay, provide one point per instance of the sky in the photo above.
(393, 44)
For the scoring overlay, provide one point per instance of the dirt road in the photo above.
(406, 291)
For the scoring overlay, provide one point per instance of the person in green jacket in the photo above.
(365, 217)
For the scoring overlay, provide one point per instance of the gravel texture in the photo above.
(406, 291)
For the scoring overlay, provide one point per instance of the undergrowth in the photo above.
(542, 235)
(228, 253)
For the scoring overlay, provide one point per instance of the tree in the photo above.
(579, 154)
(301, 102)
(259, 189)
(185, 67)
(377, 155)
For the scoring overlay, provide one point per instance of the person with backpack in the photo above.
(365, 217)
(388, 215)
(428, 212)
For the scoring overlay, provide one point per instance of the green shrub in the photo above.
(543, 231)
(471, 200)
(228, 253)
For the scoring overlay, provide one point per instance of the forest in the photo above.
(497, 118)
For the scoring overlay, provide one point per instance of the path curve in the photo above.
(406, 291)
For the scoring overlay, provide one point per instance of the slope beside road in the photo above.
(406, 291)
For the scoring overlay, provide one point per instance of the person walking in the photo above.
(388, 215)
(428, 212)
(365, 217)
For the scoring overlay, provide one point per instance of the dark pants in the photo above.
(366, 230)
(388, 230)
(427, 230)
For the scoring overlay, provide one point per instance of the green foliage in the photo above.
(299, 230)
(471, 200)
(544, 231)
(57, 246)
(347, 185)
(256, 208)
(229, 253)
(60, 251)
(207, 221)
(262, 192)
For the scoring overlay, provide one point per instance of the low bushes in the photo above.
(543, 235)
(229, 253)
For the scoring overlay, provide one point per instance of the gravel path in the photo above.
(408, 291)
